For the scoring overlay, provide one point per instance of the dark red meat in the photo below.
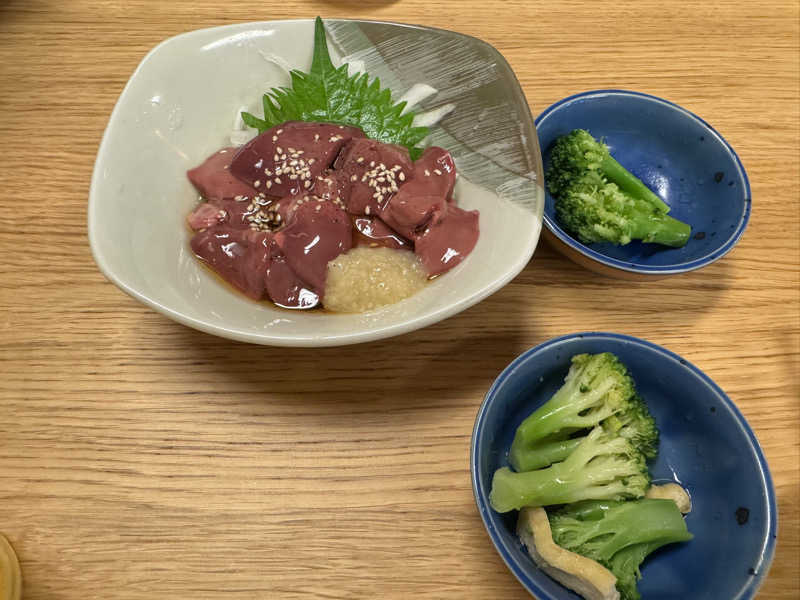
(284, 288)
(240, 256)
(369, 172)
(317, 232)
(285, 160)
(213, 179)
(422, 201)
(374, 232)
(445, 244)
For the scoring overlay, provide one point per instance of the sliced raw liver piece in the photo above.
(445, 244)
(206, 215)
(252, 262)
(284, 288)
(437, 168)
(285, 160)
(240, 256)
(412, 209)
(317, 232)
(369, 172)
(233, 213)
(213, 179)
(371, 231)
(422, 201)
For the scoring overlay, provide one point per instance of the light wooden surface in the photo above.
(142, 459)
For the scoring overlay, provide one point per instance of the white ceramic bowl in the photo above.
(179, 107)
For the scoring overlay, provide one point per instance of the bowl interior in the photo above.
(675, 153)
(705, 445)
(179, 107)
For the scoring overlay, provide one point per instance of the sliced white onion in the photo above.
(433, 116)
(417, 93)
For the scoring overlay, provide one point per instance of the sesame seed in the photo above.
(401, 176)
(437, 171)
(366, 210)
(427, 173)
(353, 177)
(257, 183)
(319, 207)
(269, 184)
(276, 158)
(280, 131)
(360, 159)
(372, 163)
(277, 180)
(311, 161)
(274, 138)
(279, 150)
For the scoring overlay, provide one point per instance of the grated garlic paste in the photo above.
(368, 278)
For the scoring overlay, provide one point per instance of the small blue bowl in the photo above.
(676, 154)
(706, 446)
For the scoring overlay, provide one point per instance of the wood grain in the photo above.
(142, 459)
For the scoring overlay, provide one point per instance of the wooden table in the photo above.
(142, 459)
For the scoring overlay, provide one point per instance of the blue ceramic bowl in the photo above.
(675, 153)
(706, 445)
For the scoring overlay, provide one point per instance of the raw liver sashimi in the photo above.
(437, 166)
(412, 209)
(284, 288)
(374, 232)
(285, 160)
(370, 172)
(445, 244)
(233, 213)
(240, 256)
(318, 231)
(206, 215)
(422, 201)
(213, 179)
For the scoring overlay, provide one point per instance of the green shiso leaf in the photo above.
(327, 94)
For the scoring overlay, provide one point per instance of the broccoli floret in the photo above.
(578, 152)
(626, 565)
(544, 454)
(619, 535)
(598, 211)
(599, 201)
(596, 387)
(604, 466)
(634, 423)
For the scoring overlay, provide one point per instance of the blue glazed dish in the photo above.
(706, 446)
(677, 155)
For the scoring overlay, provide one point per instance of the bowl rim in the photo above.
(391, 330)
(658, 270)
(481, 496)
